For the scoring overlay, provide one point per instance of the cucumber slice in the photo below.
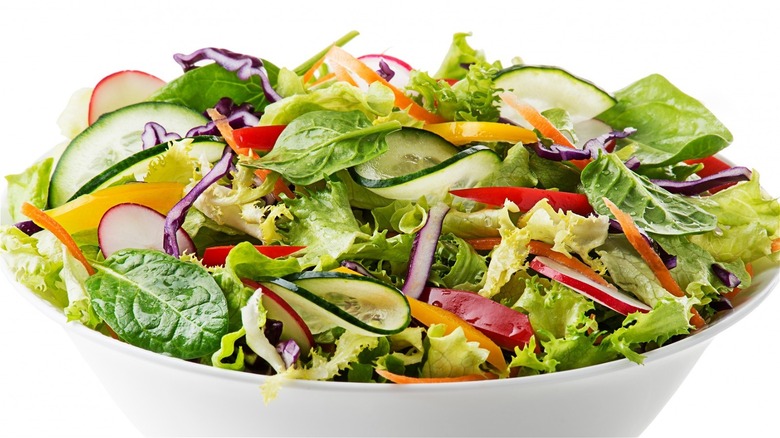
(545, 87)
(333, 299)
(136, 165)
(112, 138)
(464, 169)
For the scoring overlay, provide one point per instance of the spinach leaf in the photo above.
(653, 208)
(320, 143)
(671, 126)
(202, 88)
(160, 303)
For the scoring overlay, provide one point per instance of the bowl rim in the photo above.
(766, 278)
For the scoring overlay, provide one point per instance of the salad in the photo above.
(358, 219)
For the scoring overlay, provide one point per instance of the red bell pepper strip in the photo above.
(525, 198)
(216, 255)
(260, 138)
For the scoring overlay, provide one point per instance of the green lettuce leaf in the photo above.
(554, 310)
(630, 272)
(35, 262)
(451, 355)
(31, 186)
(671, 126)
(515, 170)
(507, 258)
(459, 54)
(457, 265)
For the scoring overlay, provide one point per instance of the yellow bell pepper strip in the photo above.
(462, 133)
(84, 212)
(45, 221)
(429, 314)
(337, 55)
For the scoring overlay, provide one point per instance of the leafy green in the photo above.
(653, 208)
(473, 98)
(671, 126)
(31, 186)
(160, 303)
(748, 221)
(203, 87)
(515, 170)
(629, 271)
(507, 257)
(378, 101)
(320, 143)
(230, 356)
(401, 216)
(457, 265)
(556, 175)
(36, 262)
(459, 54)
(451, 355)
(555, 310)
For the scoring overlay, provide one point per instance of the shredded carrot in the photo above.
(323, 79)
(484, 243)
(339, 56)
(310, 73)
(538, 247)
(279, 187)
(650, 257)
(44, 220)
(776, 245)
(224, 128)
(401, 379)
(342, 74)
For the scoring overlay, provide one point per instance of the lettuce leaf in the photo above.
(31, 186)
(457, 265)
(459, 54)
(451, 355)
(554, 310)
(35, 262)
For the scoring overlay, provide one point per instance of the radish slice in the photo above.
(121, 89)
(608, 296)
(424, 250)
(136, 226)
(293, 326)
(399, 69)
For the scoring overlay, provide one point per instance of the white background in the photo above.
(722, 52)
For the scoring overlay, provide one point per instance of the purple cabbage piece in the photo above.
(28, 227)
(290, 352)
(385, 71)
(558, 152)
(632, 163)
(670, 261)
(695, 187)
(423, 251)
(273, 330)
(357, 267)
(245, 66)
(176, 215)
(599, 143)
(727, 277)
(238, 116)
(154, 134)
(722, 304)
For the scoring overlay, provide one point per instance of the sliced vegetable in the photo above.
(712, 165)
(714, 181)
(536, 119)
(538, 247)
(401, 379)
(341, 57)
(119, 90)
(216, 255)
(46, 221)
(423, 251)
(258, 137)
(85, 212)
(293, 326)
(653, 260)
(461, 133)
(507, 327)
(136, 226)
(606, 295)
(429, 314)
(526, 197)
(390, 68)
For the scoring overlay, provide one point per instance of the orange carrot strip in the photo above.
(484, 243)
(224, 128)
(429, 314)
(279, 186)
(45, 221)
(401, 379)
(538, 121)
(650, 257)
(776, 245)
(310, 73)
(323, 79)
(538, 247)
(343, 75)
(339, 56)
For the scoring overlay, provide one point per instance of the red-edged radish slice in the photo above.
(400, 69)
(507, 327)
(293, 326)
(121, 89)
(608, 296)
(136, 226)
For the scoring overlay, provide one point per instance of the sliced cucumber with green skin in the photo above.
(325, 300)
(464, 169)
(545, 87)
(209, 147)
(112, 138)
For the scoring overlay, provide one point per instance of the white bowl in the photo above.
(163, 396)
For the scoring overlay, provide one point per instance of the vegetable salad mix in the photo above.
(357, 219)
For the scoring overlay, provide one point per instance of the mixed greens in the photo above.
(356, 219)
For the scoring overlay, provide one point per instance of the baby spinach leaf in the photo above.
(320, 143)
(203, 87)
(160, 303)
(653, 208)
(671, 126)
